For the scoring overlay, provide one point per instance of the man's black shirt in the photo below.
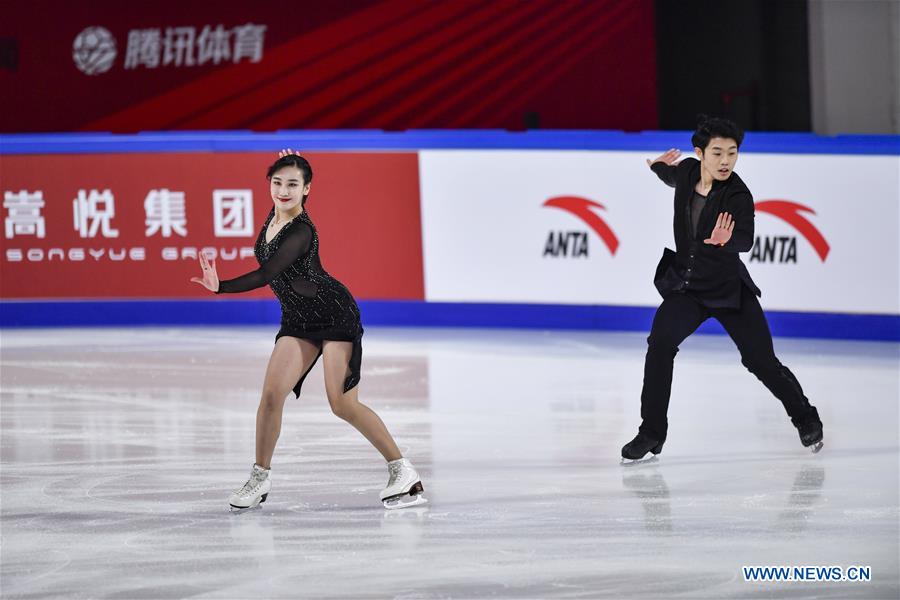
(711, 274)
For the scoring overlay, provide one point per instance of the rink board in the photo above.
(536, 229)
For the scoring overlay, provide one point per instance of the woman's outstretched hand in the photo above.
(287, 152)
(670, 158)
(210, 279)
(721, 233)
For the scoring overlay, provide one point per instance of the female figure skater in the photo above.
(318, 318)
(705, 278)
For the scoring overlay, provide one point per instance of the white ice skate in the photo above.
(404, 488)
(252, 493)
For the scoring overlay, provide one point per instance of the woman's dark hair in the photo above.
(293, 160)
(715, 127)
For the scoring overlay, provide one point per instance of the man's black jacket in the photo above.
(711, 274)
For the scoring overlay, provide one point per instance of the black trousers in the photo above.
(678, 317)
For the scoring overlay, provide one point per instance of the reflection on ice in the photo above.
(119, 450)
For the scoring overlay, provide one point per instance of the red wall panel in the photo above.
(388, 64)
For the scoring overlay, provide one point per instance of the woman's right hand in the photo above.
(670, 158)
(210, 278)
(287, 152)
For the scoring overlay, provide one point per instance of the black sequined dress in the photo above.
(314, 305)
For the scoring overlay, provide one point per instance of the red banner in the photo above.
(360, 64)
(131, 225)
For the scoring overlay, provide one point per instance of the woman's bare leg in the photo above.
(346, 405)
(291, 358)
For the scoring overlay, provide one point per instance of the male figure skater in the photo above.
(705, 278)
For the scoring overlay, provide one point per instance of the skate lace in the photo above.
(252, 484)
(394, 472)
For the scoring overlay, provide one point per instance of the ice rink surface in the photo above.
(120, 447)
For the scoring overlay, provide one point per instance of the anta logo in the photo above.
(575, 243)
(783, 249)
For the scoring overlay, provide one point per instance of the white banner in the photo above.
(579, 227)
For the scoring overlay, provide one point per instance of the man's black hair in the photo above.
(715, 127)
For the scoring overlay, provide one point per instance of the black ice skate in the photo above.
(810, 432)
(637, 449)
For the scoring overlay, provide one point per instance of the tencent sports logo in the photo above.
(94, 50)
(783, 249)
(575, 243)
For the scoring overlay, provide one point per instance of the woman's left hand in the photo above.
(721, 233)
(287, 152)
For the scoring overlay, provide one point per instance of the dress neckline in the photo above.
(283, 227)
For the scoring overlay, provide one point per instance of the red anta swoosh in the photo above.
(790, 212)
(581, 208)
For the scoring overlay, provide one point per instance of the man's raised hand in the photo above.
(670, 157)
(721, 233)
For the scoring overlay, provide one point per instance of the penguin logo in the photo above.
(94, 50)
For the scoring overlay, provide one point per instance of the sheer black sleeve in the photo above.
(294, 244)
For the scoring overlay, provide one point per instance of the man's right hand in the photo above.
(670, 158)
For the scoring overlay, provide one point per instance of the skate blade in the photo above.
(237, 510)
(633, 462)
(816, 447)
(404, 502)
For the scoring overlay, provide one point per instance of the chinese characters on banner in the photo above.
(184, 47)
(96, 239)
(24, 214)
(94, 210)
(132, 225)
